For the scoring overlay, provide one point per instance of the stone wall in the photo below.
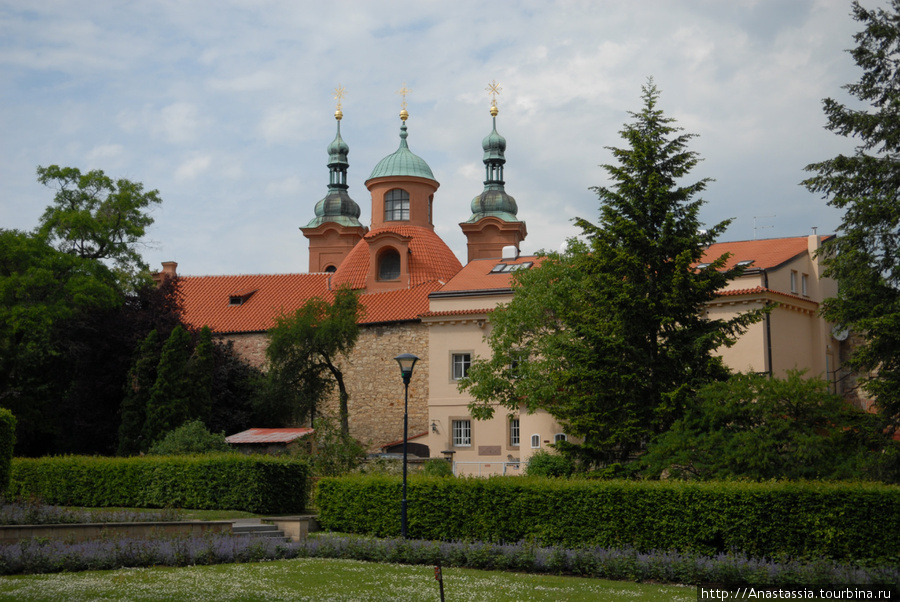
(373, 380)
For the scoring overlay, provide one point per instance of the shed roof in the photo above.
(269, 435)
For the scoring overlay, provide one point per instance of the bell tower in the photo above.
(336, 228)
(493, 223)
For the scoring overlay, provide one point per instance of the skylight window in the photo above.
(502, 268)
(700, 266)
(745, 263)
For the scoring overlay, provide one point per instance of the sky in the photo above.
(226, 107)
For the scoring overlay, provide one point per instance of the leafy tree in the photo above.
(333, 453)
(192, 437)
(865, 256)
(610, 336)
(545, 464)
(303, 353)
(236, 386)
(757, 427)
(94, 217)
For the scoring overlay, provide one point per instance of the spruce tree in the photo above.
(141, 378)
(610, 337)
(170, 398)
(864, 258)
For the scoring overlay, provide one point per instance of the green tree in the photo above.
(192, 437)
(201, 370)
(610, 336)
(757, 427)
(304, 352)
(140, 381)
(7, 444)
(865, 256)
(170, 397)
(94, 217)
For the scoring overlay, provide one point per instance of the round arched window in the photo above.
(396, 206)
(389, 265)
(330, 269)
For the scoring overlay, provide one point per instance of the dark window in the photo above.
(396, 206)
(389, 265)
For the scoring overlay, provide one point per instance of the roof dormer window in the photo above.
(241, 296)
(389, 265)
(396, 206)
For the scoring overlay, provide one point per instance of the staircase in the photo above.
(257, 529)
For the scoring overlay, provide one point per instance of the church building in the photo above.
(418, 298)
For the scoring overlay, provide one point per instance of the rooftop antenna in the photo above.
(755, 227)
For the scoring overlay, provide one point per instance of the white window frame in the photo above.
(804, 285)
(514, 432)
(461, 432)
(460, 362)
(396, 205)
(794, 281)
(560, 437)
(535, 442)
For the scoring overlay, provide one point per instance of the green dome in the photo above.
(338, 150)
(402, 162)
(494, 145)
(336, 207)
(494, 202)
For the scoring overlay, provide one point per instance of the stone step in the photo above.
(259, 530)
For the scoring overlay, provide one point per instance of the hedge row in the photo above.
(260, 484)
(7, 443)
(855, 521)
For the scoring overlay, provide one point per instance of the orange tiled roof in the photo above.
(456, 312)
(397, 306)
(430, 258)
(477, 276)
(757, 290)
(207, 299)
(766, 254)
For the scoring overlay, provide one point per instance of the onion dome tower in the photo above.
(493, 223)
(402, 249)
(336, 228)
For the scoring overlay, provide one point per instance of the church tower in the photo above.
(402, 250)
(336, 228)
(493, 223)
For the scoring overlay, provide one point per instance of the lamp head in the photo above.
(407, 361)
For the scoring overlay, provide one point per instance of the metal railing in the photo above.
(486, 469)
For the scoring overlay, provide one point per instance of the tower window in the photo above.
(396, 206)
(389, 265)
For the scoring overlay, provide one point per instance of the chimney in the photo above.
(168, 271)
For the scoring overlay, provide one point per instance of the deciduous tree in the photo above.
(303, 353)
(865, 256)
(610, 336)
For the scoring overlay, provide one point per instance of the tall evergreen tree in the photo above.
(141, 379)
(170, 397)
(610, 337)
(201, 370)
(865, 256)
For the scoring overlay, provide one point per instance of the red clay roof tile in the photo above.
(766, 254)
(268, 435)
(430, 258)
(477, 276)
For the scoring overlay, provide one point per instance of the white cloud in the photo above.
(192, 168)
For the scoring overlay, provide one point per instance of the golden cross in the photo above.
(339, 94)
(403, 92)
(493, 89)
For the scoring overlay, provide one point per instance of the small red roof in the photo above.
(766, 254)
(430, 258)
(268, 435)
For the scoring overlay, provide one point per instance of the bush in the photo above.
(190, 438)
(545, 464)
(438, 468)
(7, 443)
(260, 484)
(773, 519)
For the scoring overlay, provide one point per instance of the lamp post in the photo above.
(407, 361)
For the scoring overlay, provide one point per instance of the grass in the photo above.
(322, 579)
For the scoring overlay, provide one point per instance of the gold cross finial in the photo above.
(494, 89)
(339, 94)
(403, 92)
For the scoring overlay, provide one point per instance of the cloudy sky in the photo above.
(226, 107)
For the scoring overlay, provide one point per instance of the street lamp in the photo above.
(407, 361)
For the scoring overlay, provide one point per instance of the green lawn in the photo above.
(322, 579)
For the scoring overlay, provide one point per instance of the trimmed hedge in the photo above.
(260, 484)
(7, 443)
(777, 519)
